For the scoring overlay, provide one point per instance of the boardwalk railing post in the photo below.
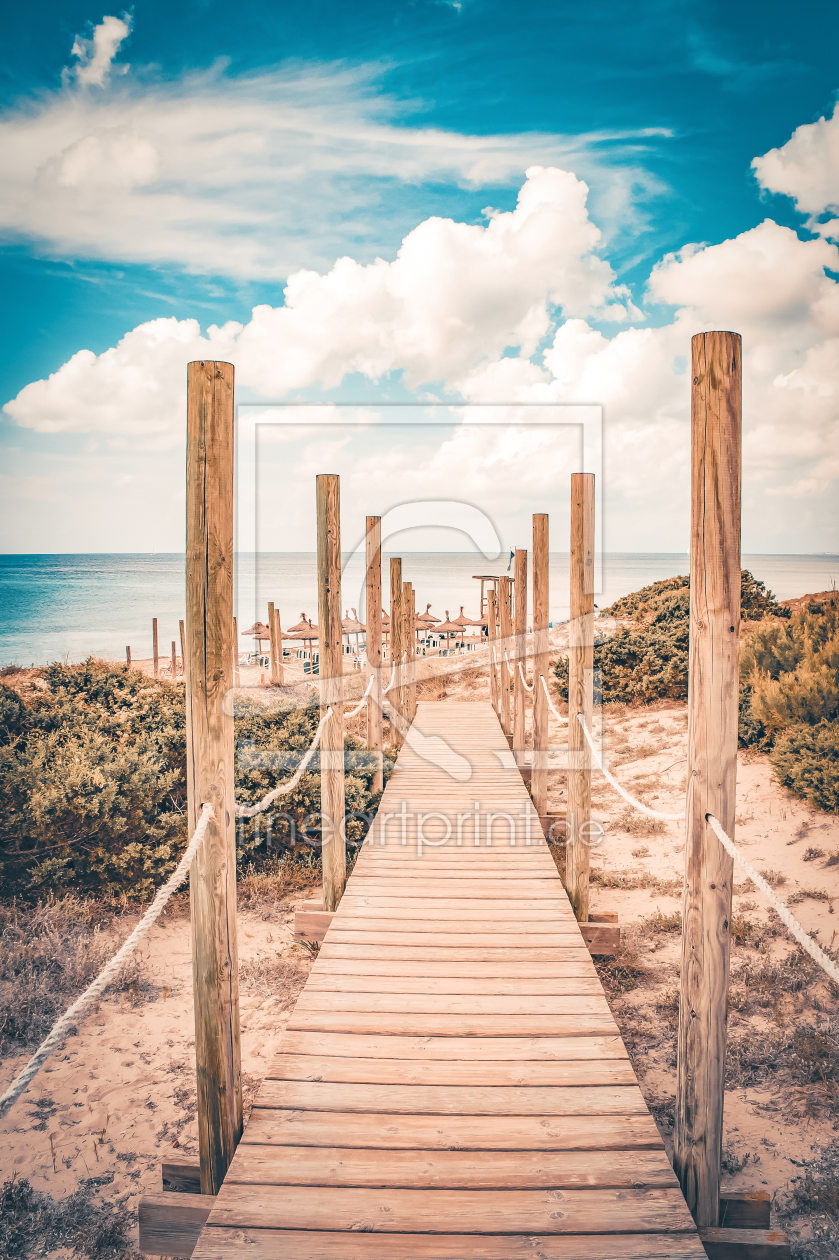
(409, 640)
(521, 650)
(541, 659)
(580, 692)
(331, 675)
(505, 677)
(272, 642)
(373, 618)
(174, 662)
(277, 647)
(492, 631)
(183, 643)
(209, 742)
(396, 693)
(712, 765)
(236, 678)
(155, 646)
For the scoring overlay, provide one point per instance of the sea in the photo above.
(69, 607)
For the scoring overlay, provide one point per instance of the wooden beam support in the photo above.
(746, 1209)
(272, 642)
(183, 643)
(181, 1175)
(744, 1244)
(209, 758)
(541, 661)
(520, 630)
(505, 674)
(712, 766)
(277, 639)
(331, 677)
(580, 692)
(174, 661)
(154, 646)
(373, 619)
(236, 677)
(170, 1223)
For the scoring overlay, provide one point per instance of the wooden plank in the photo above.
(453, 1211)
(456, 1100)
(467, 1170)
(171, 1223)
(429, 906)
(744, 1244)
(331, 687)
(545, 926)
(745, 1209)
(464, 913)
(601, 938)
(339, 935)
(281, 1127)
(209, 759)
(269, 1244)
(426, 1025)
(460, 968)
(567, 986)
(531, 1051)
(452, 1003)
(441, 953)
(713, 709)
(296, 1067)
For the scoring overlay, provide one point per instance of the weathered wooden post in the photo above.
(183, 642)
(712, 765)
(520, 629)
(580, 692)
(209, 761)
(272, 642)
(409, 641)
(174, 661)
(492, 631)
(396, 694)
(541, 661)
(373, 617)
(155, 646)
(505, 674)
(277, 645)
(128, 658)
(331, 675)
(236, 678)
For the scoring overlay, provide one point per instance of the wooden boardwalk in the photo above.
(451, 1084)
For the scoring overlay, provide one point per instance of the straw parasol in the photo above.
(463, 622)
(351, 625)
(302, 625)
(258, 631)
(447, 627)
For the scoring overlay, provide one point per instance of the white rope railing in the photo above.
(806, 942)
(249, 811)
(392, 679)
(363, 700)
(527, 686)
(554, 709)
(95, 990)
(619, 788)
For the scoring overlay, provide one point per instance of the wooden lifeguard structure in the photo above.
(451, 1085)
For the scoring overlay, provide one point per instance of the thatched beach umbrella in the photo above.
(258, 631)
(447, 627)
(463, 622)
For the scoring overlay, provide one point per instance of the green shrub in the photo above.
(805, 759)
(93, 780)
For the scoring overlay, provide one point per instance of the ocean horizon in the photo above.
(65, 607)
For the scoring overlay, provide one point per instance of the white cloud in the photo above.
(449, 308)
(806, 168)
(256, 175)
(95, 55)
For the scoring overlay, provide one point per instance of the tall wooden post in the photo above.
(520, 630)
(155, 646)
(236, 678)
(272, 642)
(174, 662)
(505, 675)
(183, 642)
(580, 692)
(373, 617)
(541, 661)
(712, 765)
(492, 631)
(409, 641)
(277, 647)
(396, 694)
(331, 674)
(209, 762)
(128, 658)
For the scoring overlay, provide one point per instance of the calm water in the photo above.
(71, 606)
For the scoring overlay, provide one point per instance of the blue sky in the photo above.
(403, 112)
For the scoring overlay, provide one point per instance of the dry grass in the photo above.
(265, 887)
(628, 880)
(49, 953)
(276, 975)
(636, 824)
(32, 1223)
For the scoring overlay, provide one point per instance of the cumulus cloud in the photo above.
(468, 309)
(806, 169)
(95, 55)
(258, 175)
